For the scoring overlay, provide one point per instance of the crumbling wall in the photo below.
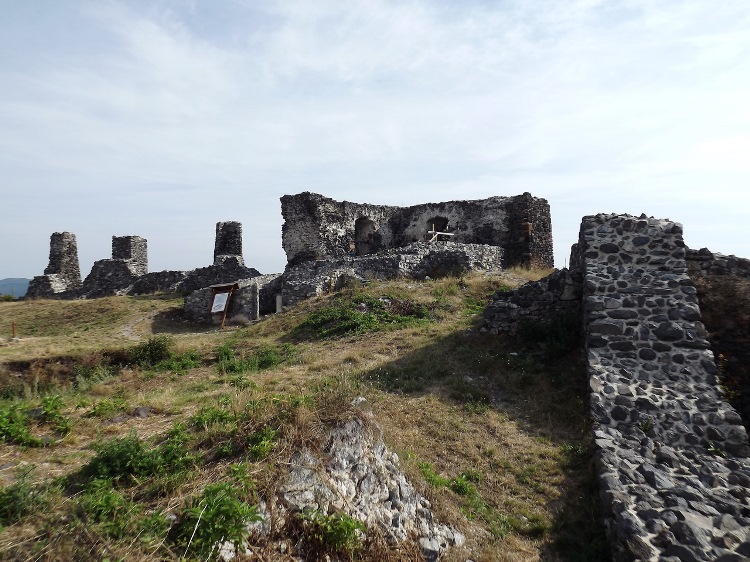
(671, 453)
(317, 227)
(62, 273)
(117, 275)
(253, 298)
(417, 260)
(126, 272)
(556, 295)
(228, 242)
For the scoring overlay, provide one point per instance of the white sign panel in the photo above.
(220, 302)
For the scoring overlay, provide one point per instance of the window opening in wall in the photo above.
(437, 227)
(364, 229)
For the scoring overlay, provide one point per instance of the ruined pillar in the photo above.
(228, 243)
(134, 250)
(63, 272)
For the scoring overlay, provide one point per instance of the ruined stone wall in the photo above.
(253, 298)
(671, 453)
(540, 301)
(417, 261)
(126, 273)
(660, 418)
(703, 262)
(133, 250)
(317, 227)
(228, 242)
(62, 273)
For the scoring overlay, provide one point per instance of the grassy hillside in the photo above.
(118, 420)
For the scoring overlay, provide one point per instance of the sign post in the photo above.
(220, 297)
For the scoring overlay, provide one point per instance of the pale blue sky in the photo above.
(160, 118)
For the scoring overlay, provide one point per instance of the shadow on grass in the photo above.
(543, 390)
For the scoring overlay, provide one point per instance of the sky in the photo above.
(160, 118)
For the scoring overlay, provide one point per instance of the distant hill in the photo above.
(14, 286)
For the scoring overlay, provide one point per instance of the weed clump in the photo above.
(324, 535)
(218, 514)
(266, 357)
(361, 313)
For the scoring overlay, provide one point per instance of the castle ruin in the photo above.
(63, 272)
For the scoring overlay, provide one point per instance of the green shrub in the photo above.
(261, 443)
(218, 514)
(108, 407)
(120, 459)
(51, 413)
(336, 534)
(211, 415)
(20, 498)
(116, 516)
(152, 351)
(264, 358)
(180, 363)
(14, 426)
(431, 476)
(363, 313)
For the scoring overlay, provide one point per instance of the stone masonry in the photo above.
(126, 273)
(671, 454)
(63, 272)
(318, 228)
(416, 261)
(115, 276)
(228, 244)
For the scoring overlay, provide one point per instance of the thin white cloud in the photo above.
(155, 108)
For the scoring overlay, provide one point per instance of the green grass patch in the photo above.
(360, 313)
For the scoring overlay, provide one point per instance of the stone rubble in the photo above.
(356, 474)
(415, 261)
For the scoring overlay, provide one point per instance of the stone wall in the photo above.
(540, 301)
(126, 273)
(133, 250)
(62, 273)
(317, 227)
(671, 453)
(253, 298)
(228, 242)
(417, 260)
(703, 262)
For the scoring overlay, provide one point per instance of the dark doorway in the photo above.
(364, 229)
(437, 224)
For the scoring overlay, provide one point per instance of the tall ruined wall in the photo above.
(417, 260)
(671, 453)
(228, 242)
(63, 272)
(317, 227)
(126, 272)
(133, 250)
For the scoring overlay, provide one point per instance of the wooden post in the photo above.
(14, 330)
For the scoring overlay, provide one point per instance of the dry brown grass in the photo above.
(444, 395)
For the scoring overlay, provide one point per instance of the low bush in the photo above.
(331, 535)
(20, 498)
(361, 313)
(218, 514)
(152, 352)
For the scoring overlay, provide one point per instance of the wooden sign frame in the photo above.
(221, 296)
